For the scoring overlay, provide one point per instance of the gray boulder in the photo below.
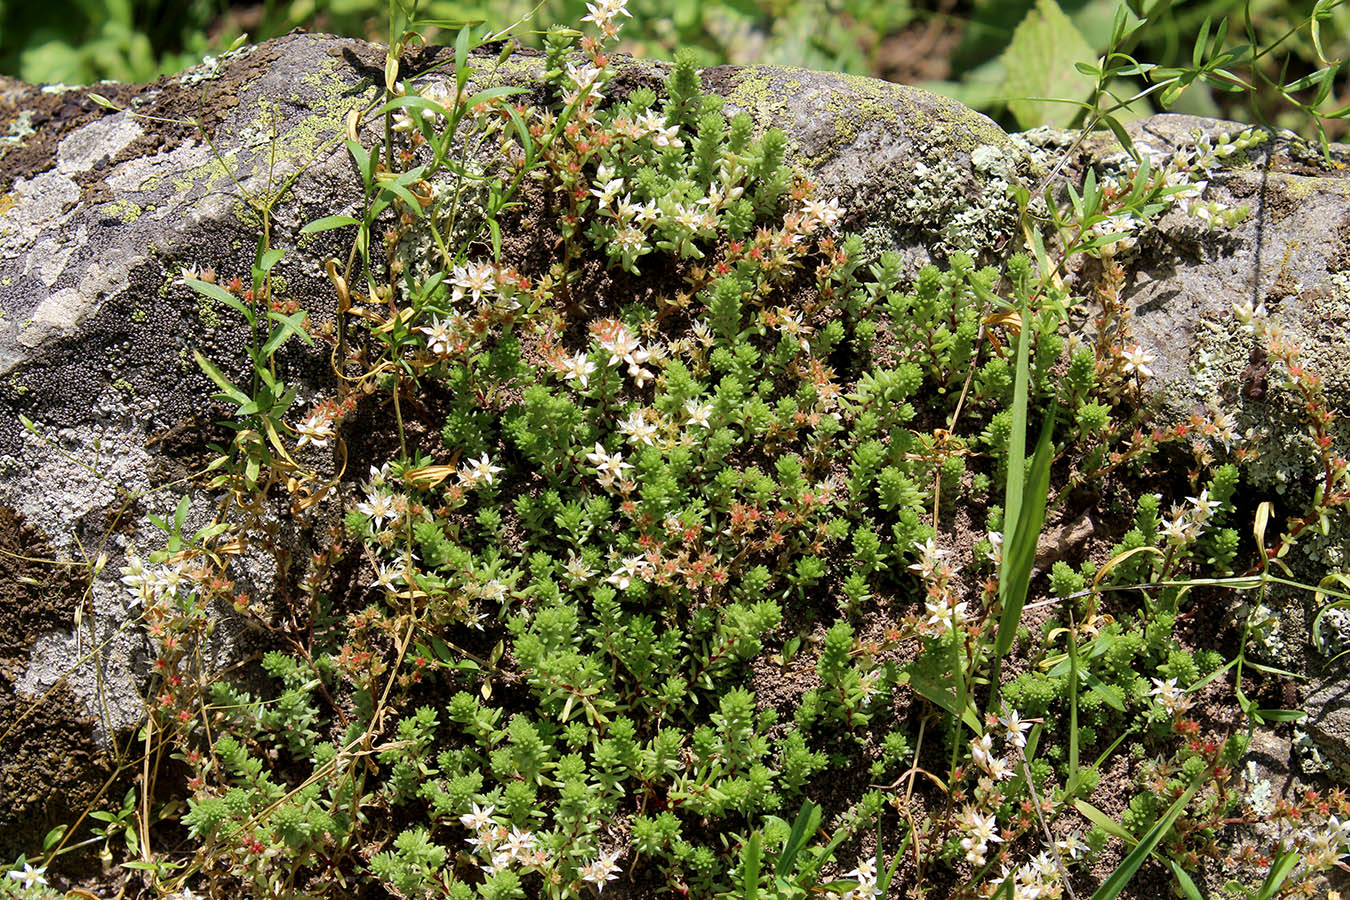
(101, 211)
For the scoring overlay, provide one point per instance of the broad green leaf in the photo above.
(227, 387)
(180, 514)
(286, 326)
(364, 163)
(53, 837)
(328, 223)
(270, 259)
(216, 292)
(1039, 66)
(943, 694)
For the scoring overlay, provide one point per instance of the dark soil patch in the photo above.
(51, 770)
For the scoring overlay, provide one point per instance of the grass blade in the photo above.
(1117, 880)
(802, 829)
(1019, 546)
(750, 863)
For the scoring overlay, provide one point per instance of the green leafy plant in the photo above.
(628, 582)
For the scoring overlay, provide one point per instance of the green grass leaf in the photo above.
(1019, 546)
(1125, 872)
(216, 292)
(327, 223)
(808, 819)
(750, 863)
(1039, 63)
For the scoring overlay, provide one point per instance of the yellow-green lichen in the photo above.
(769, 93)
(123, 210)
(207, 313)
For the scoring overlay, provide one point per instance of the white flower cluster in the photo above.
(866, 876)
(1319, 846)
(442, 334)
(604, 13)
(632, 568)
(1036, 879)
(623, 347)
(499, 846)
(638, 428)
(978, 831)
(147, 586)
(977, 822)
(1186, 522)
(316, 428)
(609, 468)
(1170, 697)
(605, 867)
(945, 611)
(503, 848)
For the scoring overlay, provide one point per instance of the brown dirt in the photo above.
(53, 117)
(50, 768)
(920, 52)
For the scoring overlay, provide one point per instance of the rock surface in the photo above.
(101, 210)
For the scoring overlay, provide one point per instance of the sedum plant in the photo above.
(661, 551)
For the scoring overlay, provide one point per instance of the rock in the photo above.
(1290, 254)
(100, 213)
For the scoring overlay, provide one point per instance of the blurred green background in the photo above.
(963, 48)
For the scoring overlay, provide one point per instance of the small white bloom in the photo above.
(387, 575)
(440, 338)
(29, 877)
(478, 471)
(1204, 506)
(698, 413)
(1169, 696)
(474, 280)
(1137, 360)
(577, 570)
(519, 843)
(316, 429)
(479, 818)
(602, 869)
(578, 367)
(1016, 728)
(1072, 846)
(982, 750)
(637, 428)
(377, 507)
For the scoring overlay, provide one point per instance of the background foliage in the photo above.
(972, 50)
